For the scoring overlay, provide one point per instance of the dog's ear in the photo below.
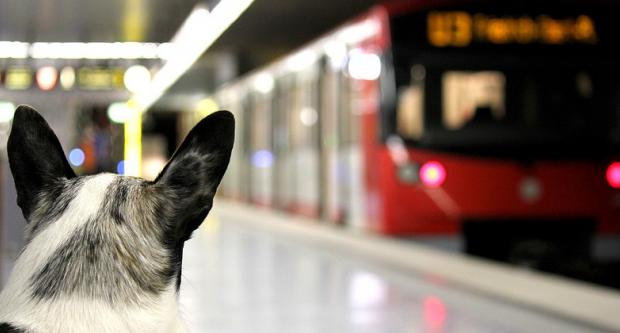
(192, 175)
(35, 157)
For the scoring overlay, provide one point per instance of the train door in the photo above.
(281, 143)
(261, 149)
(352, 153)
(232, 183)
(332, 175)
(304, 139)
(341, 150)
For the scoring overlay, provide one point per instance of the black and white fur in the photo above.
(103, 252)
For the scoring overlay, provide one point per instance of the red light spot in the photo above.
(613, 175)
(433, 174)
(435, 313)
(46, 77)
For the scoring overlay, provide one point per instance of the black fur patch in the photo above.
(117, 194)
(8, 328)
(35, 157)
(194, 172)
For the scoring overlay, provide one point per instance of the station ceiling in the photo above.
(91, 20)
(270, 28)
(267, 27)
(267, 30)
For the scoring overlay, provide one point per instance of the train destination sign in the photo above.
(460, 29)
(18, 78)
(96, 78)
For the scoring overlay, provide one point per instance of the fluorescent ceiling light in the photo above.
(136, 78)
(94, 51)
(301, 60)
(130, 50)
(16, 50)
(196, 35)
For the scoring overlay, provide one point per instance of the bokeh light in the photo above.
(136, 78)
(47, 77)
(76, 157)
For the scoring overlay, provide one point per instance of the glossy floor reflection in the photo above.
(243, 279)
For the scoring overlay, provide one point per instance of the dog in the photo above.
(103, 253)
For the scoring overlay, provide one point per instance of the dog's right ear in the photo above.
(194, 172)
(36, 157)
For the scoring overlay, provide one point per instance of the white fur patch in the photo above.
(85, 206)
(78, 315)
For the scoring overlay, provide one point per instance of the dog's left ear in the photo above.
(35, 157)
(192, 175)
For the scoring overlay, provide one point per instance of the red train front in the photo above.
(499, 124)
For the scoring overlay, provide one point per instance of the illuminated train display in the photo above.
(498, 126)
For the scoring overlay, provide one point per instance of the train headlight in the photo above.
(408, 173)
(613, 175)
(433, 174)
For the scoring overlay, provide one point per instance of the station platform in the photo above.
(254, 270)
(248, 269)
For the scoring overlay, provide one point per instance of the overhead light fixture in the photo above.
(130, 50)
(136, 78)
(15, 50)
(47, 77)
(196, 35)
(56, 50)
(67, 78)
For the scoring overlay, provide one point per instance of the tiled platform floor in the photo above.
(243, 279)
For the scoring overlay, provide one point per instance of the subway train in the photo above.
(496, 123)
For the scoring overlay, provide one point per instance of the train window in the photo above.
(410, 108)
(537, 109)
(472, 98)
(410, 115)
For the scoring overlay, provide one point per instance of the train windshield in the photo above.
(513, 92)
(539, 110)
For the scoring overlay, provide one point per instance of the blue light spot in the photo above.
(120, 167)
(76, 157)
(262, 159)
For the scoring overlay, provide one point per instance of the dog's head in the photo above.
(110, 237)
